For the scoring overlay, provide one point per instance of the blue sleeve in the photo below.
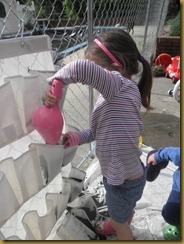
(168, 153)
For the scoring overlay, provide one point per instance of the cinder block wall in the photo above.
(168, 44)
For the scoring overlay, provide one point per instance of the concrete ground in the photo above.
(162, 124)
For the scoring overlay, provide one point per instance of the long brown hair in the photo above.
(124, 48)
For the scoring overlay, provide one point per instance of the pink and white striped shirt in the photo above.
(116, 122)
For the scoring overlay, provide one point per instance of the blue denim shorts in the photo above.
(121, 199)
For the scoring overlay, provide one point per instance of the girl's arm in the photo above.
(75, 138)
(85, 136)
(87, 72)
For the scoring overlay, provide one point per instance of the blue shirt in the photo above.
(171, 154)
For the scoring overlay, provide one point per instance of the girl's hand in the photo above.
(70, 139)
(50, 100)
(151, 159)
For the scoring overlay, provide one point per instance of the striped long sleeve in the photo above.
(116, 123)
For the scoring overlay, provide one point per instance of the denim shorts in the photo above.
(121, 199)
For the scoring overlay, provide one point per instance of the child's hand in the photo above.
(151, 159)
(50, 100)
(70, 139)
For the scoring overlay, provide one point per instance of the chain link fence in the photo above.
(67, 23)
(71, 25)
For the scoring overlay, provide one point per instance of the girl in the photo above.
(116, 124)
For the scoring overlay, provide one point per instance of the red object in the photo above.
(163, 59)
(104, 227)
(171, 66)
(48, 121)
(173, 69)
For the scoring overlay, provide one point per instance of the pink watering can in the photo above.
(48, 121)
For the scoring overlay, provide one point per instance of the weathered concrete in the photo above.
(162, 124)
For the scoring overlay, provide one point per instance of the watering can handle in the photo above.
(56, 88)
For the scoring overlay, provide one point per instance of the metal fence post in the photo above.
(146, 27)
(161, 13)
(90, 39)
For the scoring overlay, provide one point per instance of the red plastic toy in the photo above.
(48, 121)
(171, 66)
(173, 69)
(163, 59)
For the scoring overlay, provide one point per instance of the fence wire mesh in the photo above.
(70, 26)
(66, 23)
